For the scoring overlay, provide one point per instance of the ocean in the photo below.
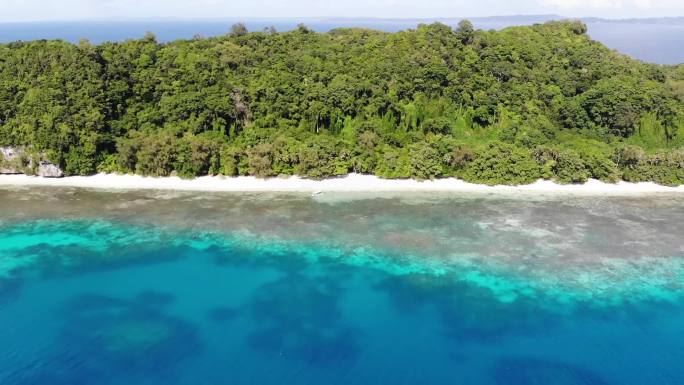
(649, 41)
(160, 287)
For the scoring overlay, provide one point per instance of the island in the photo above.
(489, 107)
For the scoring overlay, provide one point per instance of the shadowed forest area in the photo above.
(494, 107)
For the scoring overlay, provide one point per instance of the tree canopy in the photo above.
(510, 106)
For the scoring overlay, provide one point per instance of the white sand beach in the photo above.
(351, 183)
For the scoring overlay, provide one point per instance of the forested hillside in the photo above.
(494, 107)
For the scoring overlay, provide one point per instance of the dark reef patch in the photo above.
(531, 371)
(223, 314)
(9, 289)
(114, 335)
(298, 317)
(468, 313)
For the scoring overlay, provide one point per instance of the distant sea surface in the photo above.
(653, 42)
(169, 288)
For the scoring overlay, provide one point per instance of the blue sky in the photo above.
(21, 10)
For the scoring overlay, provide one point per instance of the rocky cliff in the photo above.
(15, 160)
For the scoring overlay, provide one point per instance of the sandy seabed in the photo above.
(350, 183)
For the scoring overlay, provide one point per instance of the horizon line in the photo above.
(344, 18)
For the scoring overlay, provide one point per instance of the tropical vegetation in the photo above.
(495, 107)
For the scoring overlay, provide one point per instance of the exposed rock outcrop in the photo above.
(9, 161)
(16, 160)
(49, 170)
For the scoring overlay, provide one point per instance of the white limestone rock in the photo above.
(14, 160)
(8, 160)
(49, 170)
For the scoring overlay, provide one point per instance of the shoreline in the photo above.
(351, 183)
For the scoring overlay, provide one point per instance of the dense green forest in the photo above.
(510, 106)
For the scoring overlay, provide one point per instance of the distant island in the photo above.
(492, 107)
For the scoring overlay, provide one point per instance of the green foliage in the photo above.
(394, 163)
(501, 163)
(425, 161)
(321, 157)
(110, 165)
(564, 166)
(238, 29)
(508, 106)
(598, 161)
(466, 31)
(665, 168)
(197, 155)
(618, 103)
(230, 161)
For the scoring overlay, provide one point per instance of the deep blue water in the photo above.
(147, 288)
(652, 42)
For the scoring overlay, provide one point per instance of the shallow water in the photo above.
(186, 288)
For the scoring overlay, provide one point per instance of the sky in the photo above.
(32, 10)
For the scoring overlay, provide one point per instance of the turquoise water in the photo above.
(170, 288)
